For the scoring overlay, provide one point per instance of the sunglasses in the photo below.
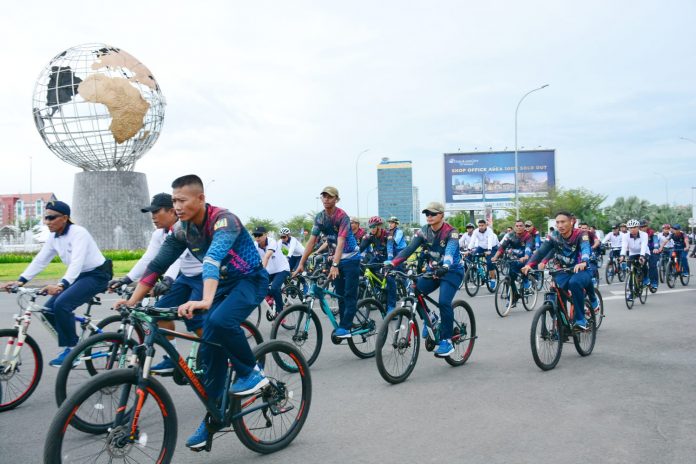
(257, 235)
(51, 217)
(431, 214)
(283, 236)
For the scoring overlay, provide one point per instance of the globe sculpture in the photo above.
(98, 108)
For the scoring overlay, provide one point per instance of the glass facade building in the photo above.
(395, 190)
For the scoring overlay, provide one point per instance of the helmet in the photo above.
(623, 224)
(394, 219)
(666, 226)
(643, 222)
(284, 231)
(470, 225)
(375, 221)
(676, 227)
(633, 223)
(528, 223)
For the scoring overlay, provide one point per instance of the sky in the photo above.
(271, 101)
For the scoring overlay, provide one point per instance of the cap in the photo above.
(643, 222)
(59, 207)
(470, 225)
(528, 223)
(260, 230)
(434, 207)
(159, 201)
(676, 227)
(355, 220)
(615, 226)
(329, 190)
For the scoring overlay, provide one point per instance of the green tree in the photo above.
(28, 224)
(255, 222)
(624, 209)
(299, 222)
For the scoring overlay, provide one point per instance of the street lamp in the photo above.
(666, 185)
(357, 193)
(517, 198)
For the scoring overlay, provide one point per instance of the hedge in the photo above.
(114, 255)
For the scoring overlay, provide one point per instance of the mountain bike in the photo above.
(614, 269)
(300, 324)
(551, 327)
(634, 283)
(674, 269)
(477, 275)
(138, 419)
(663, 263)
(374, 285)
(504, 300)
(21, 361)
(398, 340)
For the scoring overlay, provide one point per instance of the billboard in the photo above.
(480, 179)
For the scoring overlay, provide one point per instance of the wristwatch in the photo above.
(334, 264)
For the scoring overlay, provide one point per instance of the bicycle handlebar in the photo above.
(26, 290)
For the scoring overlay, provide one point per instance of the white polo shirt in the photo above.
(187, 263)
(278, 261)
(294, 247)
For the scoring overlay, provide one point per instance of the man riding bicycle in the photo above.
(570, 248)
(681, 246)
(484, 242)
(293, 246)
(520, 244)
(635, 247)
(652, 256)
(275, 263)
(441, 243)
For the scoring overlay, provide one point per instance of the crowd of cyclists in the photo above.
(202, 259)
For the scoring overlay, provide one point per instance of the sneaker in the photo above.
(685, 274)
(582, 325)
(58, 361)
(199, 437)
(342, 333)
(492, 283)
(249, 384)
(166, 366)
(526, 285)
(514, 302)
(629, 298)
(444, 349)
(434, 319)
(646, 281)
(595, 305)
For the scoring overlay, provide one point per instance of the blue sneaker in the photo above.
(58, 361)
(582, 325)
(444, 349)
(492, 283)
(433, 319)
(646, 281)
(199, 437)
(685, 274)
(595, 305)
(526, 284)
(166, 366)
(249, 384)
(342, 333)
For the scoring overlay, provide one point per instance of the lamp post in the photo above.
(666, 185)
(517, 198)
(357, 188)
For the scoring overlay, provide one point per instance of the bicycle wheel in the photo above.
(621, 272)
(286, 400)
(546, 337)
(529, 295)
(464, 334)
(255, 316)
(599, 313)
(306, 332)
(684, 279)
(155, 437)
(19, 382)
(113, 324)
(661, 269)
(367, 317)
(643, 293)
(398, 344)
(600, 260)
(539, 280)
(291, 295)
(671, 276)
(628, 292)
(472, 281)
(253, 334)
(584, 341)
(610, 272)
(503, 298)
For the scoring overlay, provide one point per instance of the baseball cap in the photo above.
(355, 219)
(260, 230)
(528, 223)
(434, 207)
(329, 190)
(676, 227)
(159, 201)
(59, 207)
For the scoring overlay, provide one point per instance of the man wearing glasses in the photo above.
(441, 243)
(88, 273)
(334, 223)
(536, 236)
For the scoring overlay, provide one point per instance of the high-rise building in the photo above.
(416, 205)
(395, 189)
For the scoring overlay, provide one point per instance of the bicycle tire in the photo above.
(548, 339)
(369, 314)
(300, 333)
(22, 385)
(60, 435)
(684, 279)
(671, 277)
(464, 334)
(503, 297)
(113, 324)
(255, 316)
(643, 295)
(621, 273)
(252, 429)
(599, 314)
(472, 281)
(529, 295)
(404, 338)
(585, 341)
(661, 271)
(610, 272)
(628, 290)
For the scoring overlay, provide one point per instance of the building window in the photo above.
(38, 209)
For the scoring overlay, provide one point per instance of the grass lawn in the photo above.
(55, 271)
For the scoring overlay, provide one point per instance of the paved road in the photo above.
(632, 400)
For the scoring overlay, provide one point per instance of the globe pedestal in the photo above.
(107, 204)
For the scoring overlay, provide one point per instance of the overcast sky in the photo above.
(275, 100)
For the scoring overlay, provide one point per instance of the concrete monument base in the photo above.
(107, 204)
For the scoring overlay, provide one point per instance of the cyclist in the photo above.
(358, 232)
(441, 241)
(665, 244)
(294, 247)
(345, 268)
(595, 247)
(569, 247)
(614, 240)
(181, 283)
(520, 244)
(396, 242)
(465, 239)
(681, 247)
(484, 242)
(635, 246)
(275, 263)
(536, 235)
(375, 240)
(652, 257)
(88, 273)
(234, 283)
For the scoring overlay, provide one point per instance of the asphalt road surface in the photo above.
(632, 401)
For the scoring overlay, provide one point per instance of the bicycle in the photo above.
(503, 294)
(300, 324)
(551, 327)
(663, 264)
(21, 370)
(634, 284)
(374, 285)
(477, 274)
(106, 351)
(398, 340)
(138, 417)
(674, 269)
(614, 269)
